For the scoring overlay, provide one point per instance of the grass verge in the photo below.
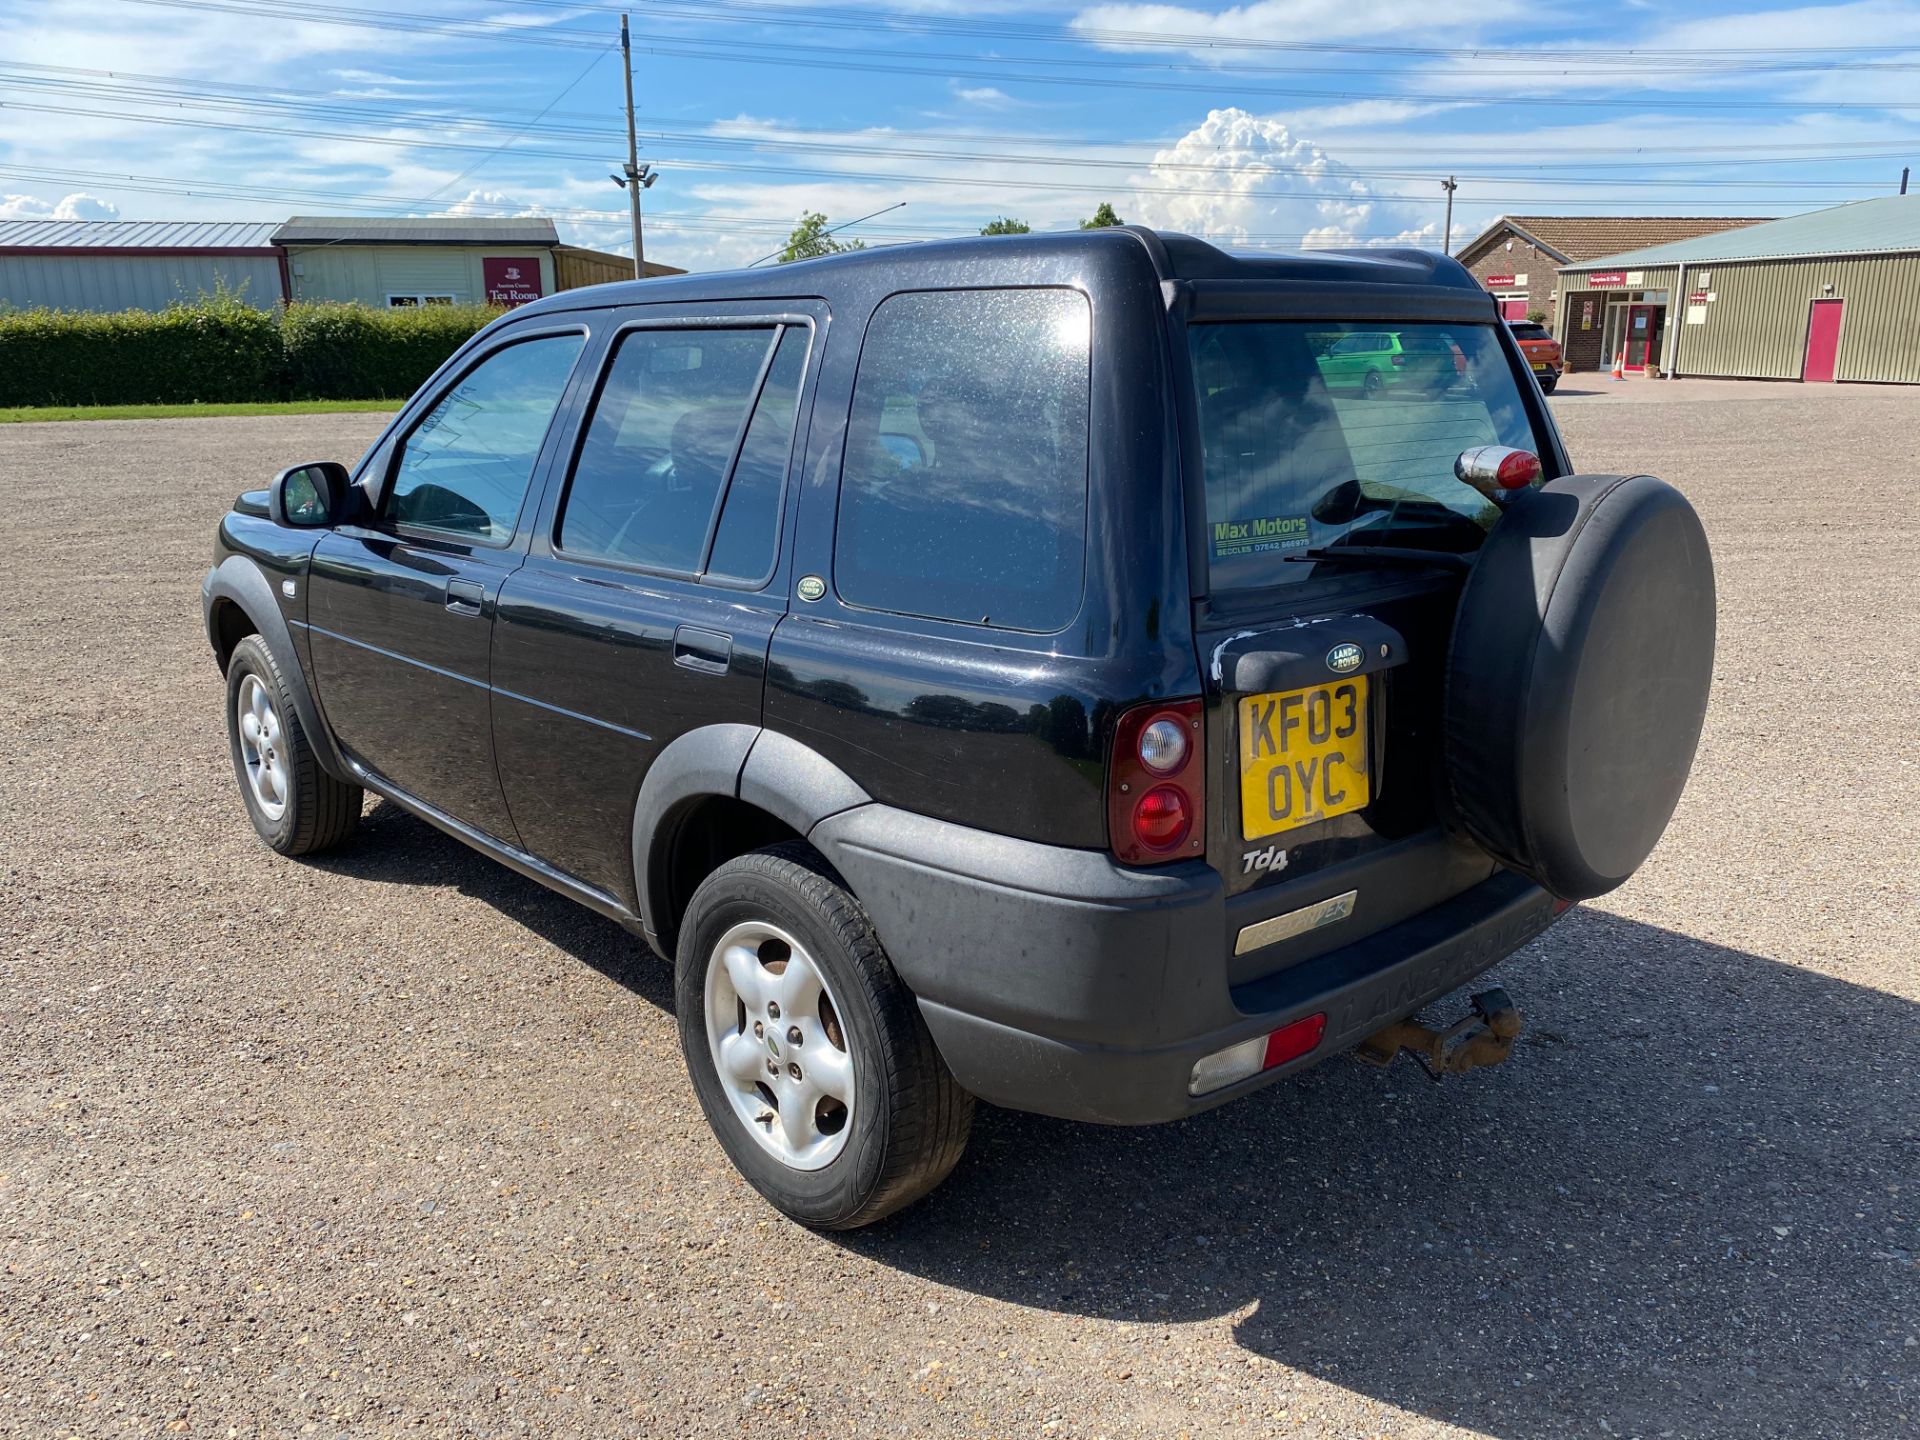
(183, 412)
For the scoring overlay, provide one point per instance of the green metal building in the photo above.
(1830, 295)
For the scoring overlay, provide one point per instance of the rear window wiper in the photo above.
(1384, 554)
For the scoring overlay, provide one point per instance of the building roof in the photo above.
(1573, 238)
(136, 234)
(416, 230)
(1887, 224)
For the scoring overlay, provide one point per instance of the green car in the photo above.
(1373, 362)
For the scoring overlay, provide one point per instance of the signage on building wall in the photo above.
(1586, 314)
(1698, 297)
(1499, 282)
(511, 279)
(1605, 279)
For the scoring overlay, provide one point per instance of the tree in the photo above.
(1102, 218)
(1006, 225)
(810, 240)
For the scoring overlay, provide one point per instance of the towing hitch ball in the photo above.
(1483, 1038)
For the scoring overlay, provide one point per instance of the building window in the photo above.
(412, 302)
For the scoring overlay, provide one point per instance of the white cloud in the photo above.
(496, 203)
(1288, 20)
(985, 95)
(77, 206)
(1275, 186)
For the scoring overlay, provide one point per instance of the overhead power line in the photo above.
(816, 57)
(693, 221)
(863, 19)
(311, 105)
(890, 177)
(1772, 151)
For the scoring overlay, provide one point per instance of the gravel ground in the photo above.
(400, 1142)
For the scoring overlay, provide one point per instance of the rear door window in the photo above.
(1303, 447)
(688, 440)
(963, 495)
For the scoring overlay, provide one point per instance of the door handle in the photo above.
(706, 650)
(465, 597)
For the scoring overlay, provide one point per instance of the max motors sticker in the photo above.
(1258, 535)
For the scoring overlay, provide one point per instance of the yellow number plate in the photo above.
(1303, 756)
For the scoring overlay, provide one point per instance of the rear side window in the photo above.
(677, 408)
(963, 495)
(1310, 438)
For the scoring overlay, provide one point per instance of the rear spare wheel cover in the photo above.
(1577, 679)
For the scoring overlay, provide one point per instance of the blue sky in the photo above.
(1278, 123)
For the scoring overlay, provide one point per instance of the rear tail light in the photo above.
(1262, 1052)
(1156, 784)
(1399, 360)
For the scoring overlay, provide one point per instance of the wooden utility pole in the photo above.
(633, 155)
(1449, 185)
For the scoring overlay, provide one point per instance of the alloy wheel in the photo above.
(262, 747)
(778, 1045)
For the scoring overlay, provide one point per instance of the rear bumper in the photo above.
(1059, 982)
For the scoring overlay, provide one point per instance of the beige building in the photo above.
(150, 264)
(1518, 258)
(1829, 295)
(439, 260)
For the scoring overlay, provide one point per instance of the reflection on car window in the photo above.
(964, 490)
(465, 468)
(660, 443)
(744, 544)
(1310, 433)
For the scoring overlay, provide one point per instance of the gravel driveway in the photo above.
(398, 1142)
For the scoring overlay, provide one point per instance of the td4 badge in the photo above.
(1271, 860)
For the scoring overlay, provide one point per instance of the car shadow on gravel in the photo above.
(1687, 1206)
(396, 847)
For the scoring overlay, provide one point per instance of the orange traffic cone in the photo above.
(1619, 366)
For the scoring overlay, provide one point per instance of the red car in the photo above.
(1542, 351)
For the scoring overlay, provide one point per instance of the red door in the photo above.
(1513, 309)
(1823, 341)
(1640, 335)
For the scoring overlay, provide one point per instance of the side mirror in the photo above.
(308, 496)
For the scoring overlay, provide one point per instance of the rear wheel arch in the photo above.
(715, 794)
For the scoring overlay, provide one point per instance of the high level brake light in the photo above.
(1156, 784)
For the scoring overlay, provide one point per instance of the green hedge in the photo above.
(219, 350)
(215, 349)
(349, 352)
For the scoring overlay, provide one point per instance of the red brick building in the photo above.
(1518, 257)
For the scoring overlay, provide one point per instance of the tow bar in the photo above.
(1482, 1038)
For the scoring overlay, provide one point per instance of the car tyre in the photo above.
(1548, 382)
(1373, 386)
(808, 1053)
(295, 806)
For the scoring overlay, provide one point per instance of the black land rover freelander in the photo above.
(1059, 670)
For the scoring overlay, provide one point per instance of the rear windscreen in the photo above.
(1531, 332)
(1315, 435)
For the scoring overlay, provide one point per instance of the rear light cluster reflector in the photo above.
(1156, 783)
(1262, 1052)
